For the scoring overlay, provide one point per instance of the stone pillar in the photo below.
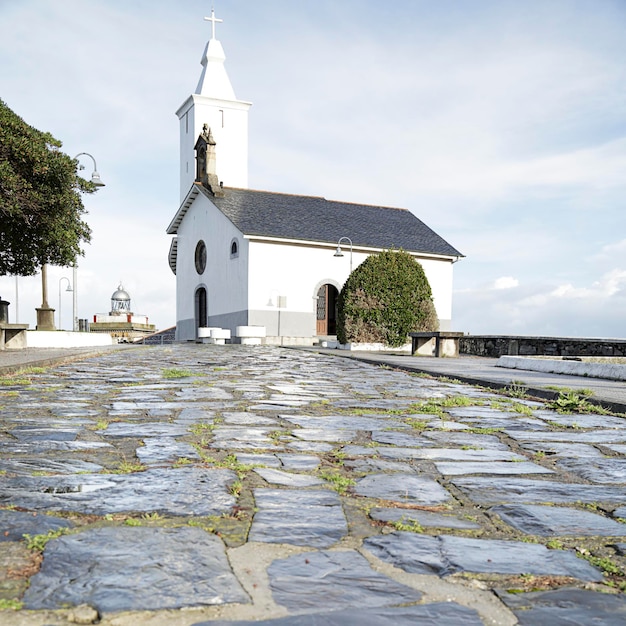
(45, 319)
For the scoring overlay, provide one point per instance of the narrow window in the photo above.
(234, 249)
(200, 257)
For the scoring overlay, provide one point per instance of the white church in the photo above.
(278, 261)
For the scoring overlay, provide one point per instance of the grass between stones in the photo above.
(12, 381)
(37, 543)
(408, 525)
(570, 401)
(128, 467)
(175, 372)
(10, 605)
(337, 481)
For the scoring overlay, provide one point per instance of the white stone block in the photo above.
(220, 333)
(250, 331)
(205, 331)
(250, 341)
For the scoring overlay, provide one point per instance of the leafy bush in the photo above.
(384, 299)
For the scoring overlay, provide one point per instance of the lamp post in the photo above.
(69, 288)
(339, 253)
(97, 181)
(17, 300)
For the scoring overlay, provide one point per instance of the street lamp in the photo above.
(97, 181)
(339, 253)
(95, 177)
(69, 288)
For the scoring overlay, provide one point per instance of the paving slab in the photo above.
(563, 607)
(422, 518)
(288, 479)
(445, 555)
(452, 468)
(181, 491)
(334, 580)
(596, 469)
(498, 490)
(551, 520)
(158, 450)
(313, 519)
(433, 614)
(140, 466)
(402, 488)
(125, 569)
(15, 524)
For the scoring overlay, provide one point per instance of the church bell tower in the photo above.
(215, 105)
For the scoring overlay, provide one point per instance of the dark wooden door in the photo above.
(201, 307)
(322, 322)
(327, 310)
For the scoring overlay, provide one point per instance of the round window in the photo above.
(200, 257)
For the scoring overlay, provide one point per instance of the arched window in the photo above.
(234, 249)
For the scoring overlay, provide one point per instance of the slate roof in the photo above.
(311, 218)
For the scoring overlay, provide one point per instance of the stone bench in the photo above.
(12, 336)
(436, 343)
(250, 335)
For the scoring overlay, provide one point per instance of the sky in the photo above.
(501, 124)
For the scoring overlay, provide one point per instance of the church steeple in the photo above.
(214, 82)
(214, 104)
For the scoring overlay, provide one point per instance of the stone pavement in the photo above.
(485, 372)
(210, 485)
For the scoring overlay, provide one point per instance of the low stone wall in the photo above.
(499, 345)
(609, 371)
(66, 339)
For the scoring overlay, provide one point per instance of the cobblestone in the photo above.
(199, 485)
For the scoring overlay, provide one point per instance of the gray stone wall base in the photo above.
(495, 346)
(281, 323)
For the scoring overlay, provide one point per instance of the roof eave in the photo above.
(355, 248)
(172, 229)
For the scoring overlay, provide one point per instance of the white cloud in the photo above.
(611, 252)
(505, 282)
(545, 309)
(499, 127)
(609, 285)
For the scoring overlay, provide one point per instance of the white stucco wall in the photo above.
(296, 273)
(228, 121)
(224, 278)
(440, 274)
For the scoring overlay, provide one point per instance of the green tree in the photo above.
(384, 299)
(41, 206)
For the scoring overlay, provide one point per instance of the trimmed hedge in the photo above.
(384, 299)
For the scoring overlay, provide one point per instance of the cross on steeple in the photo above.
(213, 20)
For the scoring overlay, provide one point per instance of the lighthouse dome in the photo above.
(120, 300)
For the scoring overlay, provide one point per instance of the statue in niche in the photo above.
(205, 162)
